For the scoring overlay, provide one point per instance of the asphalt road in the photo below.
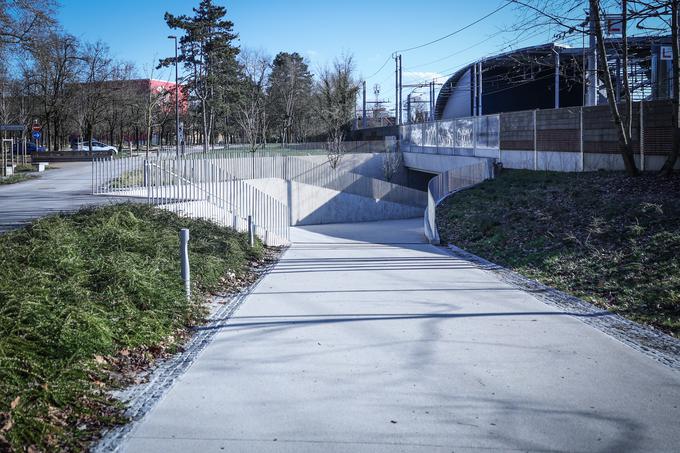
(65, 188)
(364, 338)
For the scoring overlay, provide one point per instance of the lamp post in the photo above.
(176, 100)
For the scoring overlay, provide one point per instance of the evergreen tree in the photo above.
(209, 58)
(289, 93)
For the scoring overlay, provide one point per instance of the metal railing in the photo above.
(110, 176)
(219, 198)
(451, 181)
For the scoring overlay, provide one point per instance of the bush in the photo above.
(75, 289)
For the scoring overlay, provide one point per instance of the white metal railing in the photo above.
(127, 174)
(443, 185)
(220, 198)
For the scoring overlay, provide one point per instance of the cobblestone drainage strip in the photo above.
(142, 398)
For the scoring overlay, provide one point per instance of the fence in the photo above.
(447, 183)
(127, 174)
(565, 139)
(306, 148)
(218, 197)
(475, 136)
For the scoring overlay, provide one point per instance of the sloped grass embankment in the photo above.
(86, 300)
(604, 237)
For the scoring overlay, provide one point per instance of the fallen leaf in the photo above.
(15, 402)
(7, 426)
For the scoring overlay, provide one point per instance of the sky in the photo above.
(369, 30)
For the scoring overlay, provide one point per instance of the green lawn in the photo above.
(89, 299)
(16, 178)
(605, 237)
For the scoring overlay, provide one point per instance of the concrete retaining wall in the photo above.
(437, 163)
(313, 205)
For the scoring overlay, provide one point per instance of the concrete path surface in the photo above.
(364, 338)
(64, 188)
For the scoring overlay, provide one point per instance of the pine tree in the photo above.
(209, 58)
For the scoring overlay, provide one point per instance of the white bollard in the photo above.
(184, 260)
(251, 231)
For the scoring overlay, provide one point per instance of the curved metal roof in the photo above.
(449, 85)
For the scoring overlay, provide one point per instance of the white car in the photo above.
(96, 147)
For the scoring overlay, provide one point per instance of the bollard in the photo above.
(184, 260)
(251, 231)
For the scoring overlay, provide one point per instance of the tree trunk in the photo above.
(205, 126)
(90, 132)
(672, 158)
(120, 136)
(626, 79)
(625, 145)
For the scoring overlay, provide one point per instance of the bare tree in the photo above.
(19, 19)
(154, 102)
(96, 87)
(564, 18)
(51, 73)
(251, 114)
(623, 130)
(392, 159)
(335, 100)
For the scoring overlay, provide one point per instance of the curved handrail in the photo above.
(451, 181)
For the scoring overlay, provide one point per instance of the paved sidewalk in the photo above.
(364, 338)
(65, 188)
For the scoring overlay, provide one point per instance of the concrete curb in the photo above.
(651, 342)
(142, 398)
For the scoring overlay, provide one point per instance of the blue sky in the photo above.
(320, 30)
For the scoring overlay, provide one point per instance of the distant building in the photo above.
(157, 86)
(527, 79)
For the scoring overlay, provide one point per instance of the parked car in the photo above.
(30, 148)
(96, 147)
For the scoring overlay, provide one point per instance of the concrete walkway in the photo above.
(363, 338)
(64, 188)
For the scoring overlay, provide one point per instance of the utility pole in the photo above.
(363, 114)
(397, 89)
(400, 93)
(377, 104)
(480, 110)
(474, 89)
(557, 78)
(408, 108)
(432, 100)
(591, 93)
(176, 100)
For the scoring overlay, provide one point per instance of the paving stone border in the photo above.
(648, 340)
(142, 398)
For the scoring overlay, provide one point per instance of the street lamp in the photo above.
(176, 100)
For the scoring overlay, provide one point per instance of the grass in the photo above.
(604, 237)
(134, 178)
(16, 178)
(24, 168)
(85, 300)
